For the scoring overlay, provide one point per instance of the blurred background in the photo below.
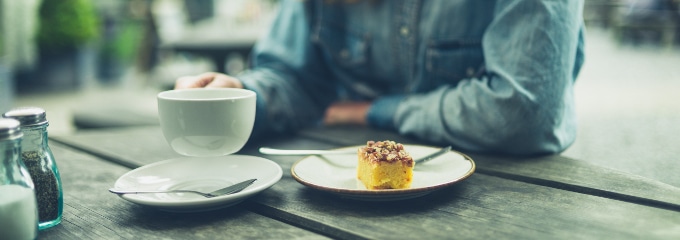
(99, 64)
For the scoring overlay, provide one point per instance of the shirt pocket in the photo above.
(449, 61)
(346, 50)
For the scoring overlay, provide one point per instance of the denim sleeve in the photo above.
(288, 74)
(382, 110)
(524, 102)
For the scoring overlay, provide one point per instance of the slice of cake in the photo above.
(385, 165)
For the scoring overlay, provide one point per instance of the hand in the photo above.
(208, 80)
(347, 113)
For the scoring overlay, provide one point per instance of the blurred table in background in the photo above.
(216, 42)
(639, 21)
(602, 12)
(233, 29)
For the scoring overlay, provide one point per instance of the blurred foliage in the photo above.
(124, 44)
(2, 31)
(66, 24)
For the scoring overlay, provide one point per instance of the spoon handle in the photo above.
(272, 151)
(433, 155)
(224, 191)
(117, 191)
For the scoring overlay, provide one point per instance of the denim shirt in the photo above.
(481, 75)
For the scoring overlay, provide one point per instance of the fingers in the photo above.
(198, 81)
(347, 113)
(208, 80)
(224, 81)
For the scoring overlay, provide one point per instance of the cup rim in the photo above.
(169, 94)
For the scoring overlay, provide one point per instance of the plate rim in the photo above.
(200, 204)
(384, 192)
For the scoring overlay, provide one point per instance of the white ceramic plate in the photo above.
(198, 173)
(337, 174)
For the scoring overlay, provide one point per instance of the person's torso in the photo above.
(379, 47)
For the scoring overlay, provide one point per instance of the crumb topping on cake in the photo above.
(386, 151)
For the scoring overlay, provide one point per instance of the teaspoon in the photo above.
(224, 191)
(273, 151)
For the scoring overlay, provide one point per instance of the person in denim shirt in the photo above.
(482, 75)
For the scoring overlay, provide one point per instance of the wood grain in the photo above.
(91, 212)
(552, 170)
(508, 197)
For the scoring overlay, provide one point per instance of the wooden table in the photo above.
(546, 197)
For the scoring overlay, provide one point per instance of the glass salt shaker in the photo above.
(38, 158)
(18, 206)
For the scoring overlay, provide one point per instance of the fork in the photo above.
(274, 151)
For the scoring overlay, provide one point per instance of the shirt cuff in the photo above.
(381, 113)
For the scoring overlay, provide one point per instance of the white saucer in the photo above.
(337, 174)
(198, 173)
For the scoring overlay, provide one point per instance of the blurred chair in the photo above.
(198, 10)
(602, 13)
(648, 20)
(232, 31)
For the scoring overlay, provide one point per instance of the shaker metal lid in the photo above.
(28, 116)
(10, 129)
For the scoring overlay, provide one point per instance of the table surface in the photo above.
(543, 197)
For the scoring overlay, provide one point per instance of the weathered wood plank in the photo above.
(91, 212)
(483, 206)
(554, 170)
(138, 146)
(579, 176)
(107, 144)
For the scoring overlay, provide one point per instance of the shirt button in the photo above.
(404, 31)
(470, 71)
(344, 53)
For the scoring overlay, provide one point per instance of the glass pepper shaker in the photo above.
(38, 158)
(18, 207)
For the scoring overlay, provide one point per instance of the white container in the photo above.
(18, 213)
(18, 205)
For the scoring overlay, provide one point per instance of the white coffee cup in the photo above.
(204, 122)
